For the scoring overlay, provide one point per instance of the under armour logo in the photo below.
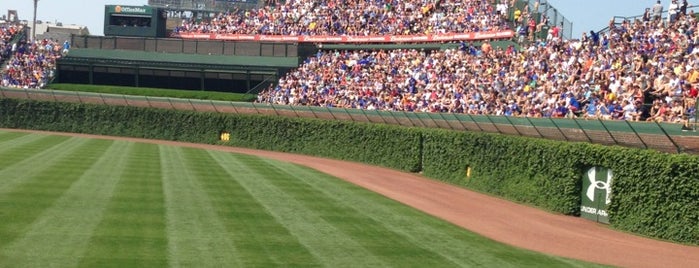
(599, 184)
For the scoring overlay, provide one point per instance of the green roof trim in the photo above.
(180, 58)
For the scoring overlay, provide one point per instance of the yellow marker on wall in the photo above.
(225, 136)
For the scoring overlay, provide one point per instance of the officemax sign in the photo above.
(132, 10)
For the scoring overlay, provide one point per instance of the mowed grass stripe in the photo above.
(9, 136)
(225, 210)
(26, 146)
(380, 240)
(196, 235)
(325, 240)
(132, 231)
(395, 246)
(23, 162)
(259, 239)
(451, 242)
(37, 192)
(25, 141)
(60, 235)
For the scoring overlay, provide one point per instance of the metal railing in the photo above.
(543, 7)
(617, 20)
(554, 16)
(665, 137)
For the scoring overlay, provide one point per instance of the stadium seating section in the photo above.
(645, 69)
(356, 17)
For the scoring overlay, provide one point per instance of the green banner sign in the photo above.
(596, 194)
(141, 10)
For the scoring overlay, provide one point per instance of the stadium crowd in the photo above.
(609, 76)
(357, 17)
(7, 33)
(32, 64)
(647, 69)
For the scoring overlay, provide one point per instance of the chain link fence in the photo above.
(554, 16)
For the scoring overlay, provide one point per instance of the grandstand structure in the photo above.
(177, 64)
(213, 61)
(477, 58)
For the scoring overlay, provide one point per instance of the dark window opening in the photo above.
(129, 20)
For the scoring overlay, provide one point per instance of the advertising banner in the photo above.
(475, 36)
(140, 10)
(596, 194)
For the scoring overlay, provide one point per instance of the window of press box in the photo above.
(129, 20)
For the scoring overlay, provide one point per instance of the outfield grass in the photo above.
(156, 92)
(67, 201)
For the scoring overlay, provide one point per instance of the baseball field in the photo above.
(73, 201)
